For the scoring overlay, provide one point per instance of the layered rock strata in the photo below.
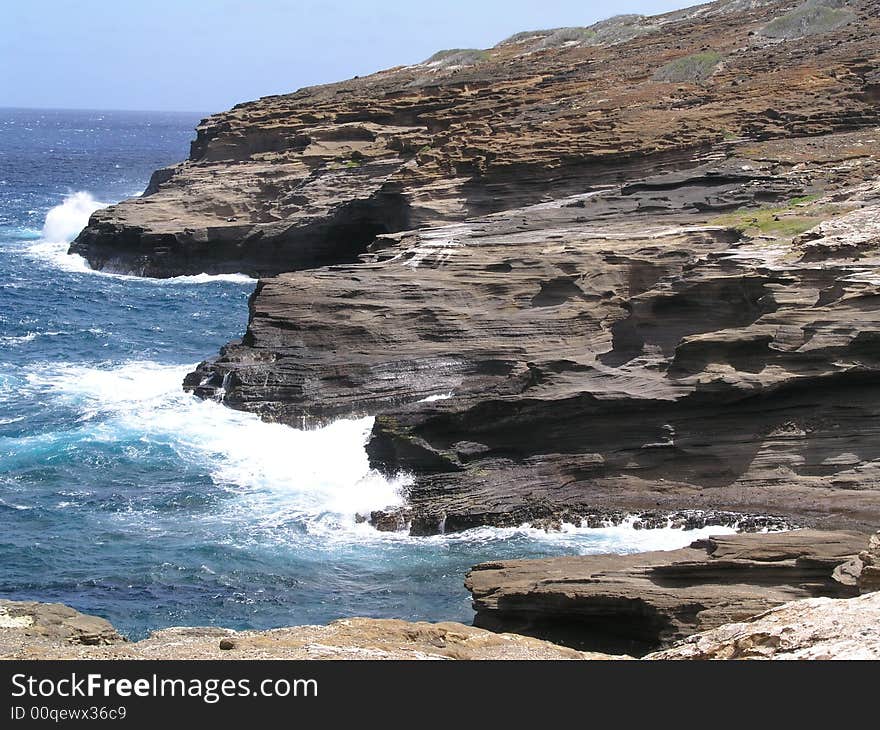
(573, 356)
(816, 628)
(635, 603)
(52, 624)
(625, 268)
(299, 180)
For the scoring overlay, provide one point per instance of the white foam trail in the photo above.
(573, 539)
(435, 398)
(29, 337)
(65, 221)
(278, 474)
(4, 503)
(199, 279)
(19, 339)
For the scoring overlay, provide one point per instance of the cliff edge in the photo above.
(630, 267)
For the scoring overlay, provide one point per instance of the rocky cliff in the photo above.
(625, 267)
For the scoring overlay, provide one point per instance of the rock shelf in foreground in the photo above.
(616, 604)
(29, 637)
(636, 603)
(814, 628)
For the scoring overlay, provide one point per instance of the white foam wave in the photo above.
(65, 221)
(62, 224)
(202, 279)
(18, 339)
(277, 474)
(29, 337)
(55, 254)
(281, 480)
(570, 539)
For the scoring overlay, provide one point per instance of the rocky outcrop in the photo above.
(863, 571)
(816, 628)
(635, 603)
(52, 631)
(563, 283)
(29, 622)
(623, 350)
(869, 575)
(299, 180)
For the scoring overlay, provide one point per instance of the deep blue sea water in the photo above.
(124, 497)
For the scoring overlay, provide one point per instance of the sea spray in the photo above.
(273, 477)
(63, 224)
(65, 221)
(276, 473)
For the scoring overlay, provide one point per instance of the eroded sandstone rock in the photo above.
(29, 622)
(635, 603)
(562, 285)
(816, 628)
(584, 356)
(807, 629)
(869, 575)
(299, 180)
(355, 638)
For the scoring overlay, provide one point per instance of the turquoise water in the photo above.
(123, 496)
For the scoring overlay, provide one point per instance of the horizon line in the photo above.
(4, 107)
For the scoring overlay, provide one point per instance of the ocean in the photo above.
(124, 497)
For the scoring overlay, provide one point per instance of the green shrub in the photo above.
(689, 69)
(524, 36)
(814, 16)
(355, 159)
(619, 29)
(561, 36)
(608, 32)
(803, 200)
(458, 57)
(778, 221)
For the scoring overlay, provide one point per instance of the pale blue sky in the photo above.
(206, 55)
